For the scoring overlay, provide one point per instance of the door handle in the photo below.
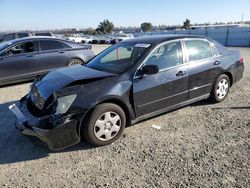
(217, 62)
(61, 52)
(29, 55)
(181, 73)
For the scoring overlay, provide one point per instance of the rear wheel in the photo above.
(221, 89)
(74, 62)
(105, 124)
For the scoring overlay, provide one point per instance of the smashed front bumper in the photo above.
(56, 138)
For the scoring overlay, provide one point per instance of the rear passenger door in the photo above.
(204, 65)
(52, 54)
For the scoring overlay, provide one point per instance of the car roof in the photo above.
(32, 38)
(160, 38)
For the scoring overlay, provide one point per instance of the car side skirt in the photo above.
(185, 103)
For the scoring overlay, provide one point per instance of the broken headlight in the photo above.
(36, 98)
(64, 103)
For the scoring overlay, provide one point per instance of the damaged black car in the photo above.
(126, 83)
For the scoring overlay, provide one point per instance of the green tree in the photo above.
(186, 24)
(105, 27)
(146, 26)
(89, 31)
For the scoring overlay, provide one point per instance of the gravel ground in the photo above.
(201, 145)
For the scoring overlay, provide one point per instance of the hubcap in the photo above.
(107, 126)
(75, 62)
(222, 88)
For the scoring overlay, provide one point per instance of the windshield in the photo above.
(118, 58)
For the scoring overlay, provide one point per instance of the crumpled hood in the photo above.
(59, 78)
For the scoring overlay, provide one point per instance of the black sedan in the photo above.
(24, 59)
(128, 82)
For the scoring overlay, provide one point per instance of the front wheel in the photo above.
(221, 89)
(74, 62)
(105, 124)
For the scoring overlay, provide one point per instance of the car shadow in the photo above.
(14, 147)
(203, 102)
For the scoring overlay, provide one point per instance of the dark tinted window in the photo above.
(198, 49)
(166, 56)
(20, 48)
(21, 35)
(43, 34)
(50, 45)
(9, 37)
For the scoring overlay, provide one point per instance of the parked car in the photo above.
(129, 82)
(12, 36)
(24, 59)
(123, 36)
(76, 38)
(44, 34)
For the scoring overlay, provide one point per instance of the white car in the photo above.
(76, 38)
(123, 36)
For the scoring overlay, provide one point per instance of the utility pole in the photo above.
(242, 18)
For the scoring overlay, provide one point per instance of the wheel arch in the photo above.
(115, 100)
(78, 58)
(230, 76)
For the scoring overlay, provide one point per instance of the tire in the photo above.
(105, 124)
(74, 62)
(221, 89)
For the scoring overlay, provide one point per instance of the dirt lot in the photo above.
(202, 145)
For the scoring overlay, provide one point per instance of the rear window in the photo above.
(198, 50)
(50, 45)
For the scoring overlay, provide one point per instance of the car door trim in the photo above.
(195, 88)
(169, 108)
(164, 98)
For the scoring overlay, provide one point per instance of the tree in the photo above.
(105, 27)
(146, 26)
(186, 24)
(89, 31)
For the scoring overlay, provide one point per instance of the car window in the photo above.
(9, 37)
(197, 50)
(118, 58)
(50, 45)
(121, 53)
(214, 50)
(20, 48)
(21, 35)
(166, 56)
(43, 34)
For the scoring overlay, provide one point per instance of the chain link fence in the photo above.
(238, 37)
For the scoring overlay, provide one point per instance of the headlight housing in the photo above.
(36, 98)
(64, 103)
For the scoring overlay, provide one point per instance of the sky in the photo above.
(57, 14)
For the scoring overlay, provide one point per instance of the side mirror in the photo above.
(150, 69)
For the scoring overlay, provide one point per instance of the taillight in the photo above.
(241, 60)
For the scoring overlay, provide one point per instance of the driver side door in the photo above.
(157, 92)
(18, 62)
